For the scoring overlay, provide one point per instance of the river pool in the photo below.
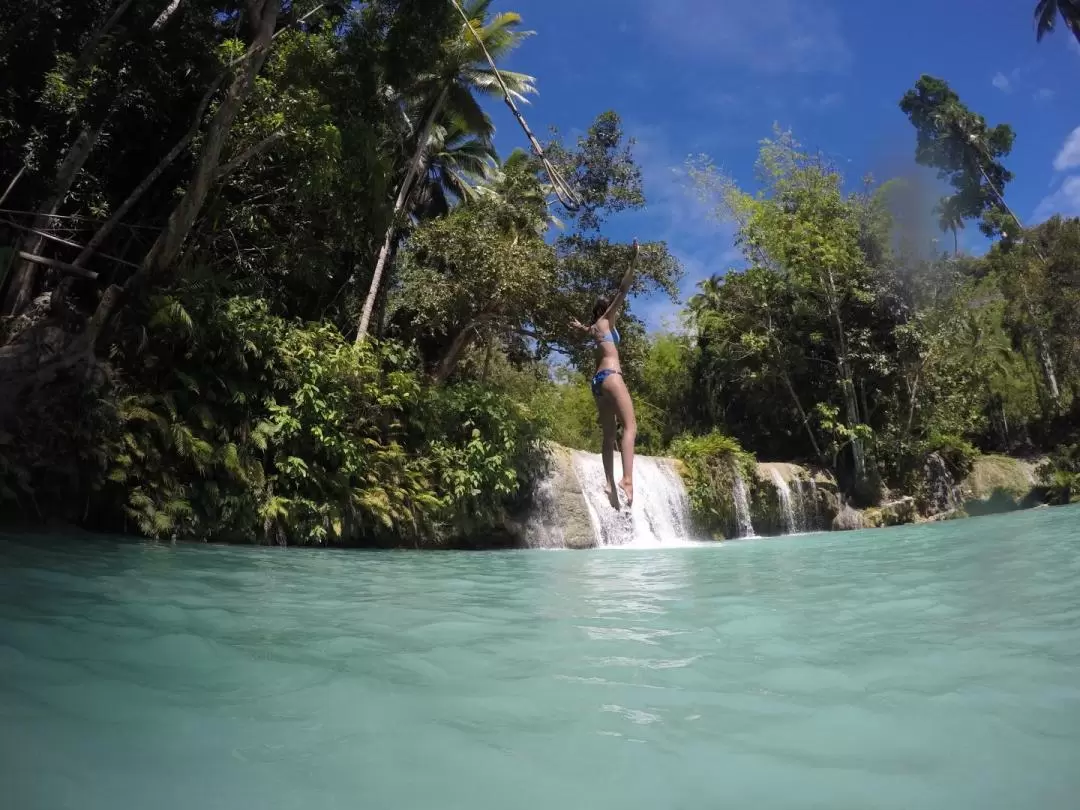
(923, 667)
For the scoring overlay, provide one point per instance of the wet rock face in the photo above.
(559, 515)
(941, 494)
(791, 499)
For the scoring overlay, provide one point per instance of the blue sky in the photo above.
(712, 76)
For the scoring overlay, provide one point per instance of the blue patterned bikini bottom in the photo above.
(598, 379)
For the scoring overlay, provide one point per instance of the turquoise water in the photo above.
(925, 667)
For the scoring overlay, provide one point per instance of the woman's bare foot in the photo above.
(627, 486)
(612, 495)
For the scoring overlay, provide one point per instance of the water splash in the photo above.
(661, 512)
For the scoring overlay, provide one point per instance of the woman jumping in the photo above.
(609, 389)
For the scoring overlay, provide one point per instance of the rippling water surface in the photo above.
(929, 667)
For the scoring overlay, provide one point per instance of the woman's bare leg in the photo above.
(617, 392)
(607, 446)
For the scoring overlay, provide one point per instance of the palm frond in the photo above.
(1046, 12)
(462, 105)
(483, 79)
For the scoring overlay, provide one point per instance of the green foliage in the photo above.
(263, 430)
(710, 466)
(1060, 475)
(571, 410)
(965, 151)
(226, 402)
(661, 399)
(843, 334)
(487, 450)
(959, 454)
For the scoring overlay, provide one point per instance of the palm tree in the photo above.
(533, 195)
(704, 305)
(451, 86)
(1046, 14)
(951, 218)
(455, 164)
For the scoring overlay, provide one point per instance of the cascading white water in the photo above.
(660, 515)
(802, 517)
(742, 507)
(543, 529)
(791, 524)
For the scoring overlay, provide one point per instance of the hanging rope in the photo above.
(567, 196)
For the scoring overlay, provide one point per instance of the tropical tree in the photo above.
(1047, 13)
(967, 153)
(451, 85)
(457, 163)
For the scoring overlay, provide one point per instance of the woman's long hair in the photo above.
(600, 307)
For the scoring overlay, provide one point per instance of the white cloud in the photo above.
(1069, 156)
(769, 36)
(1065, 201)
(1001, 82)
(1045, 94)
(675, 215)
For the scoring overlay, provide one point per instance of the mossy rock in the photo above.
(999, 484)
(895, 513)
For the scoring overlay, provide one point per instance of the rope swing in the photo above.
(567, 196)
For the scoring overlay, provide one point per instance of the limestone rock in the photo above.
(848, 519)
(999, 484)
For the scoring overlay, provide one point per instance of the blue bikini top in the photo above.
(611, 337)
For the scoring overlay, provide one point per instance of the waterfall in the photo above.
(804, 522)
(791, 524)
(944, 495)
(742, 507)
(798, 502)
(661, 512)
(543, 529)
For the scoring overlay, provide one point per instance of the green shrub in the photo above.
(958, 453)
(263, 430)
(485, 450)
(1060, 475)
(710, 465)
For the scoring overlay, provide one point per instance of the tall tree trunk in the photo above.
(1046, 363)
(166, 15)
(14, 182)
(805, 419)
(118, 215)
(196, 122)
(21, 289)
(462, 340)
(166, 248)
(399, 207)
